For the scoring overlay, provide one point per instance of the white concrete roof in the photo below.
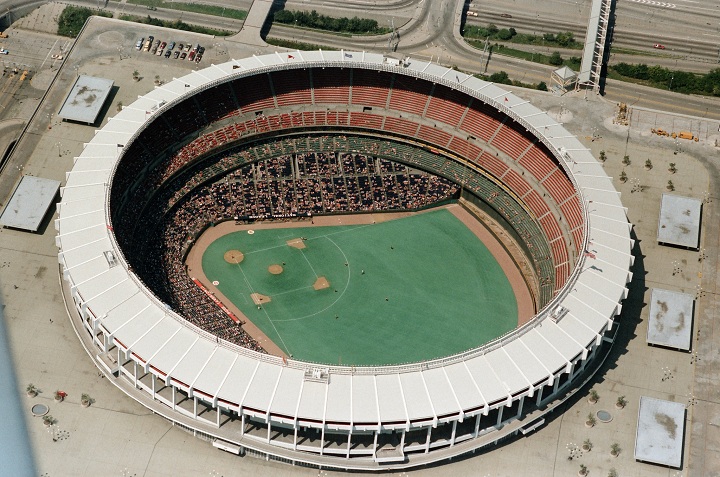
(86, 98)
(29, 203)
(670, 320)
(660, 432)
(679, 222)
(412, 392)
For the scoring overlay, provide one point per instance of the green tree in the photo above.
(555, 59)
(501, 77)
(542, 86)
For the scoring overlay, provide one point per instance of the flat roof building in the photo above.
(86, 99)
(29, 203)
(660, 432)
(671, 319)
(679, 222)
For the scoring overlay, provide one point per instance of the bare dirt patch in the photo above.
(234, 256)
(260, 299)
(275, 269)
(298, 243)
(321, 283)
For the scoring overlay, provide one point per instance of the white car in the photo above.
(57, 57)
(3, 51)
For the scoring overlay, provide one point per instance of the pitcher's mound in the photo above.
(275, 269)
(321, 283)
(296, 243)
(234, 256)
(259, 298)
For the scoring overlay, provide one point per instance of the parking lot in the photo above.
(170, 49)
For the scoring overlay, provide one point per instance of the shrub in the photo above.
(72, 19)
(555, 59)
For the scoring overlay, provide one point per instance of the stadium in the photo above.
(159, 174)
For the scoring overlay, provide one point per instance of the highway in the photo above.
(433, 33)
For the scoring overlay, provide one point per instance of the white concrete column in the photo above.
(349, 443)
(195, 407)
(477, 425)
(269, 429)
(427, 440)
(452, 436)
(539, 395)
(375, 437)
(295, 437)
(520, 407)
(322, 439)
(500, 413)
(173, 396)
(219, 413)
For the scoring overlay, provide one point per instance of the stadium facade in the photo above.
(514, 162)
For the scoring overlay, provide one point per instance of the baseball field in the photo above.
(409, 289)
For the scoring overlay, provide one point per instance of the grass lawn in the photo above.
(413, 289)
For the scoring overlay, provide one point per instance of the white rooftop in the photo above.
(489, 375)
(660, 432)
(679, 221)
(29, 203)
(671, 319)
(86, 99)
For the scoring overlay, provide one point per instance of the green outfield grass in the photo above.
(413, 289)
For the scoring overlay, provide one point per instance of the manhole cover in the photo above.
(39, 410)
(604, 416)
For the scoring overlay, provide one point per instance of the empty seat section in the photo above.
(409, 95)
(559, 186)
(254, 94)
(465, 149)
(571, 210)
(536, 203)
(559, 250)
(493, 165)
(510, 141)
(217, 102)
(538, 163)
(400, 126)
(364, 120)
(292, 87)
(447, 105)
(577, 235)
(551, 227)
(480, 121)
(370, 88)
(516, 183)
(434, 136)
(331, 86)
(562, 272)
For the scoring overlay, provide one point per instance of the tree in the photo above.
(594, 396)
(501, 77)
(612, 472)
(555, 59)
(603, 157)
(670, 186)
(648, 164)
(626, 160)
(614, 449)
(136, 75)
(587, 445)
(672, 168)
(590, 421)
(583, 470)
(621, 401)
(623, 177)
(504, 34)
(542, 86)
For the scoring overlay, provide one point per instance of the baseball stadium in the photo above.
(342, 259)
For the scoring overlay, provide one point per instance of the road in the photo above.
(433, 33)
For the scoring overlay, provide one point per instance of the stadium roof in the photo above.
(660, 432)
(86, 99)
(141, 324)
(29, 203)
(671, 319)
(679, 222)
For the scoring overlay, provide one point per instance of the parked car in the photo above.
(201, 50)
(151, 38)
(148, 44)
(198, 58)
(180, 46)
(3, 51)
(191, 56)
(177, 53)
(171, 45)
(659, 46)
(183, 55)
(139, 43)
(187, 47)
(168, 53)
(163, 45)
